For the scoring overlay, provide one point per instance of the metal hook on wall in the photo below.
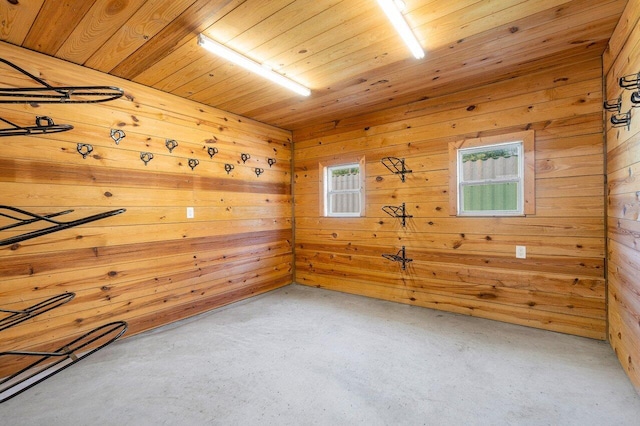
(258, 171)
(630, 82)
(244, 157)
(271, 161)
(212, 150)
(84, 149)
(170, 144)
(613, 105)
(228, 168)
(193, 162)
(117, 135)
(146, 157)
(621, 120)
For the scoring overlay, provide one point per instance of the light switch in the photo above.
(521, 252)
(190, 213)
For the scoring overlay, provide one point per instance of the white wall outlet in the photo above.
(190, 213)
(521, 252)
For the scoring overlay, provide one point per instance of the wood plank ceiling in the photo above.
(344, 50)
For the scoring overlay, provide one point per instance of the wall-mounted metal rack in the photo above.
(396, 166)
(47, 364)
(43, 125)
(15, 317)
(399, 257)
(47, 94)
(398, 211)
(24, 217)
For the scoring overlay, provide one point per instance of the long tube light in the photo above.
(394, 14)
(250, 65)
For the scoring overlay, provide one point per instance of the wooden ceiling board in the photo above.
(199, 16)
(463, 62)
(16, 21)
(148, 21)
(54, 23)
(344, 50)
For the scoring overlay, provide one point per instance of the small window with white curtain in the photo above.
(343, 190)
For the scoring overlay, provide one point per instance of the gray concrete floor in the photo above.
(304, 356)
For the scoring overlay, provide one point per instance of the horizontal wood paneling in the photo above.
(467, 264)
(150, 265)
(622, 58)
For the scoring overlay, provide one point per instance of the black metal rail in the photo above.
(63, 357)
(57, 225)
(15, 317)
(43, 125)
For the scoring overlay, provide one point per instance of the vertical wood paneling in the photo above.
(150, 265)
(623, 165)
(464, 264)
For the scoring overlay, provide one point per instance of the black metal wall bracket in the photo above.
(630, 82)
(43, 125)
(399, 257)
(271, 161)
(614, 105)
(621, 120)
(635, 99)
(63, 357)
(399, 212)
(84, 149)
(228, 167)
(396, 166)
(15, 317)
(46, 93)
(28, 218)
(193, 163)
(170, 144)
(258, 171)
(146, 157)
(212, 150)
(117, 135)
(244, 157)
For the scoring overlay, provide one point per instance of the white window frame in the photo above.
(327, 191)
(526, 160)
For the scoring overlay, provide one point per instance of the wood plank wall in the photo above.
(150, 265)
(623, 170)
(468, 265)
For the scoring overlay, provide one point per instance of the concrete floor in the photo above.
(304, 356)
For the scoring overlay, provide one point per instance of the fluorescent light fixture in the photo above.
(250, 65)
(394, 14)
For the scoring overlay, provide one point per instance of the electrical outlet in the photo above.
(190, 213)
(521, 252)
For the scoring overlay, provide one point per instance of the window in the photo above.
(493, 176)
(344, 190)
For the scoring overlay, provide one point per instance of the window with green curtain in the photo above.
(490, 180)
